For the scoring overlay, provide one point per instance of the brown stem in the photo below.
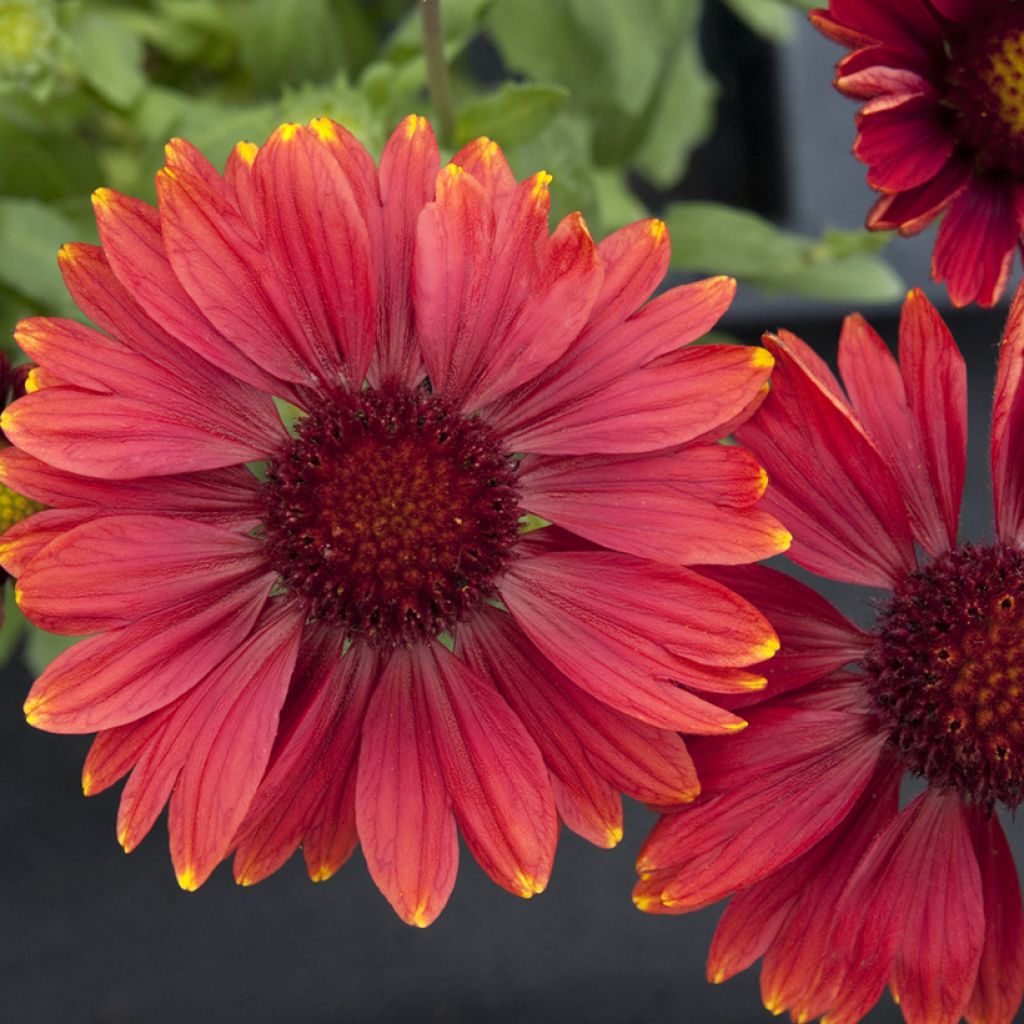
(437, 69)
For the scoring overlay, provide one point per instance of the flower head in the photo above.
(453, 591)
(840, 889)
(942, 126)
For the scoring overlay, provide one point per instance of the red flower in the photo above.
(365, 647)
(942, 128)
(838, 888)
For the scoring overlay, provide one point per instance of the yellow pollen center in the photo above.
(14, 507)
(1005, 77)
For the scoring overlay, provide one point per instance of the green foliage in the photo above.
(714, 238)
(512, 115)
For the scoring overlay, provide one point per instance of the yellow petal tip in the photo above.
(324, 128)
(718, 977)
(614, 835)
(187, 879)
(321, 874)
(736, 726)
(86, 783)
(102, 198)
(289, 131)
(658, 228)
(762, 357)
(32, 381)
(247, 152)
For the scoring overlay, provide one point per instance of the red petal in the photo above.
(230, 404)
(621, 627)
(126, 673)
(913, 911)
(915, 209)
(799, 968)
(976, 242)
(112, 571)
(246, 687)
(1007, 455)
(225, 496)
(228, 275)
(600, 355)
(497, 651)
(318, 242)
(816, 639)
(873, 379)
(313, 759)
(494, 771)
(771, 794)
(673, 400)
(21, 542)
(936, 378)
(114, 752)
(1000, 985)
(693, 505)
(408, 168)
(903, 145)
(132, 241)
(403, 810)
(232, 734)
(828, 483)
(635, 260)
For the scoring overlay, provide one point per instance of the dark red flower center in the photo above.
(947, 672)
(391, 513)
(986, 90)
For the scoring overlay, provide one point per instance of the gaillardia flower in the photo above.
(456, 595)
(840, 889)
(942, 128)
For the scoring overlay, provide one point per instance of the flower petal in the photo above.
(621, 628)
(1000, 985)
(408, 169)
(114, 570)
(829, 484)
(692, 505)
(936, 378)
(913, 911)
(976, 242)
(318, 243)
(314, 757)
(130, 231)
(230, 748)
(1007, 454)
(494, 771)
(904, 145)
(879, 396)
(124, 674)
(403, 810)
(812, 763)
(677, 398)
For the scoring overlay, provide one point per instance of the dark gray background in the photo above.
(88, 934)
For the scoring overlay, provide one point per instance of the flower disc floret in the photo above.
(391, 513)
(947, 672)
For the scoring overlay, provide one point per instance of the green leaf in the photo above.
(30, 235)
(682, 116)
(45, 164)
(289, 42)
(772, 19)
(842, 265)
(109, 58)
(42, 647)
(616, 203)
(512, 115)
(13, 627)
(715, 238)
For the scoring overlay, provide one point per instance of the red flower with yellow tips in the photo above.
(942, 126)
(840, 889)
(458, 595)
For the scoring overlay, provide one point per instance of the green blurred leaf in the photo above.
(714, 238)
(42, 647)
(30, 235)
(617, 205)
(772, 19)
(290, 42)
(512, 115)
(13, 627)
(109, 57)
(44, 165)
(682, 116)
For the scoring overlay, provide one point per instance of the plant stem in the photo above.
(437, 69)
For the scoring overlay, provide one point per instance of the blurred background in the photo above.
(716, 115)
